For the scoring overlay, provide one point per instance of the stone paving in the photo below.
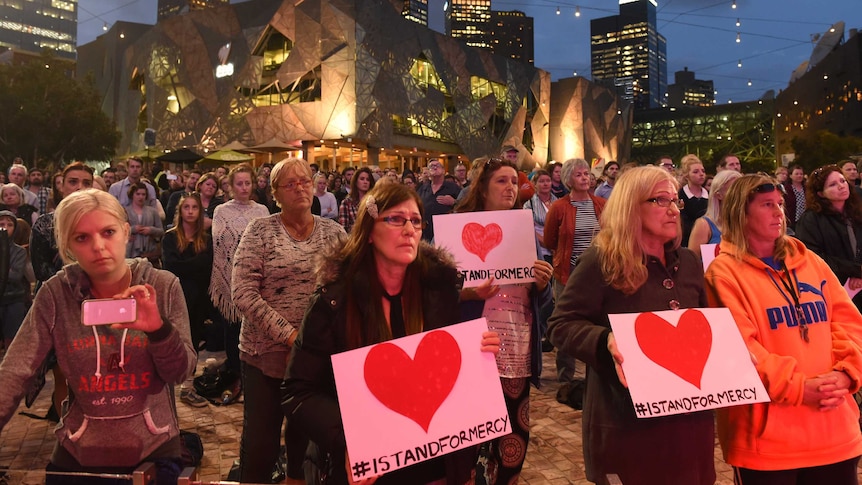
(554, 457)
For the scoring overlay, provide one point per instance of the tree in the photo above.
(48, 117)
(823, 148)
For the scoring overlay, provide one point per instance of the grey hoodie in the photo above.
(120, 407)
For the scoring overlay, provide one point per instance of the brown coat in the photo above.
(560, 233)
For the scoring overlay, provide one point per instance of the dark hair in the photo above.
(475, 199)
(612, 162)
(366, 323)
(109, 169)
(354, 193)
(818, 203)
(139, 185)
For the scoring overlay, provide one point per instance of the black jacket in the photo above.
(308, 391)
(826, 234)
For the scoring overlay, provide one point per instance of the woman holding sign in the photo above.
(634, 265)
(382, 283)
(512, 311)
(799, 326)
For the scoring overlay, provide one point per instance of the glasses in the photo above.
(432, 166)
(401, 221)
(666, 202)
(820, 170)
(292, 184)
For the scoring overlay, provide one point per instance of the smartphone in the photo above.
(109, 311)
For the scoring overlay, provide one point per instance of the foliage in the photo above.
(49, 118)
(823, 148)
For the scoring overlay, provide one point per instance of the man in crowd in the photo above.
(461, 175)
(851, 173)
(437, 194)
(109, 175)
(729, 162)
(665, 162)
(35, 185)
(120, 189)
(17, 175)
(610, 172)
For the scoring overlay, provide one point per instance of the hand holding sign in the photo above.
(684, 361)
(415, 398)
(489, 244)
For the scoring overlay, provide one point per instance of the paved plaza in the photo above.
(555, 455)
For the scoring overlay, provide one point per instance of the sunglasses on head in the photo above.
(765, 188)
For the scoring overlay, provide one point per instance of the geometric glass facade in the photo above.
(33, 25)
(628, 53)
(322, 72)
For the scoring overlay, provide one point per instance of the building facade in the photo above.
(686, 91)
(469, 20)
(828, 96)
(511, 35)
(352, 80)
(35, 25)
(628, 53)
(166, 8)
(416, 11)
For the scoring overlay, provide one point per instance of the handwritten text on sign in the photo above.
(498, 244)
(413, 399)
(686, 360)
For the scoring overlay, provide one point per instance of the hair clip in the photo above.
(371, 206)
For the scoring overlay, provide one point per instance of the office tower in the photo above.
(416, 10)
(469, 20)
(175, 7)
(34, 25)
(629, 54)
(511, 35)
(688, 91)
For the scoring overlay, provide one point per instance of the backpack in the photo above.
(219, 385)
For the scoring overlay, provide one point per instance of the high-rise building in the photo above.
(469, 20)
(688, 91)
(511, 35)
(34, 25)
(628, 53)
(416, 10)
(175, 7)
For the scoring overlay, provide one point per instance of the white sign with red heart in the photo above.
(498, 244)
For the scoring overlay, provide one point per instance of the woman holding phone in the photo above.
(120, 410)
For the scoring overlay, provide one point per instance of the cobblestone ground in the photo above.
(555, 455)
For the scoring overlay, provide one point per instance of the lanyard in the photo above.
(791, 286)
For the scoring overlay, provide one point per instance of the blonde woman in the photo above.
(120, 412)
(634, 265)
(707, 229)
(693, 194)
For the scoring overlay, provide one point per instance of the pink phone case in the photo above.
(109, 311)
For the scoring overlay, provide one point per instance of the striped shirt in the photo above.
(586, 228)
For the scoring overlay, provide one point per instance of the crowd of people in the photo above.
(284, 265)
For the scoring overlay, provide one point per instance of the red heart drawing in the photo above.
(479, 239)
(414, 388)
(717, 249)
(683, 349)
